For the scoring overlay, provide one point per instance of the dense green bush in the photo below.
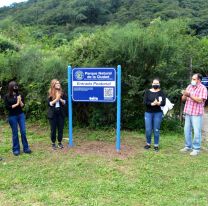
(162, 49)
(172, 124)
(7, 45)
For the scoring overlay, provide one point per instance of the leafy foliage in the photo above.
(40, 38)
(68, 15)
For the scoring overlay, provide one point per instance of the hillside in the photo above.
(148, 38)
(64, 16)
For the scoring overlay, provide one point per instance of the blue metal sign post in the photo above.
(94, 85)
(118, 126)
(70, 107)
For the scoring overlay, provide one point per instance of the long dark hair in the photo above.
(11, 86)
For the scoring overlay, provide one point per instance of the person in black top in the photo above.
(154, 98)
(14, 103)
(56, 112)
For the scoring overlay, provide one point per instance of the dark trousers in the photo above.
(57, 122)
(14, 121)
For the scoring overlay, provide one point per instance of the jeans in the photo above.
(14, 121)
(152, 122)
(57, 122)
(195, 122)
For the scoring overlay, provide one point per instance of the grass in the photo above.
(93, 174)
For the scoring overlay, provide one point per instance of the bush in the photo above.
(162, 49)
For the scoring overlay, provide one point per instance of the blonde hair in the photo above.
(52, 90)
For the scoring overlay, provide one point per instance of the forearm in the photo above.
(63, 101)
(184, 98)
(53, 102)
(147, 101)
(196, 99)
(21, 104)
(15, 105)
(163, 102)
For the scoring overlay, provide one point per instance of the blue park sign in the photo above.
(94, 84)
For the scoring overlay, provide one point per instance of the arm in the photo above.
(21, 101)
(183, 98)
(52, 102)
(15, 105)
(196, 99)
(10, 105)
(163, 102)
(63, 99)
(160, 102)
(146, 100)
(184, 92)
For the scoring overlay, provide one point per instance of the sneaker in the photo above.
(54, 147)
(28, 151)
(60, 145)
(194, 152)
(185, 149)
(156, 148)
(16, 153)
(147, 146)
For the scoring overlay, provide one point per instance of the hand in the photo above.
(19, 99)
(182, 91)
(186, 93)
(154, 103)
(158, 103)
(58, 96)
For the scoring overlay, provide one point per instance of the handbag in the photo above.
(168, 106)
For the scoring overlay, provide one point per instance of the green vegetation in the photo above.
(39, 39)
(164, 38)
(55, 16)
(92, 173)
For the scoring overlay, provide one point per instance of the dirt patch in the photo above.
(98, 148)
(37, 129)
(104, 149)
(130, 145)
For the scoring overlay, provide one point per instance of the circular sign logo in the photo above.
(79, 75)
